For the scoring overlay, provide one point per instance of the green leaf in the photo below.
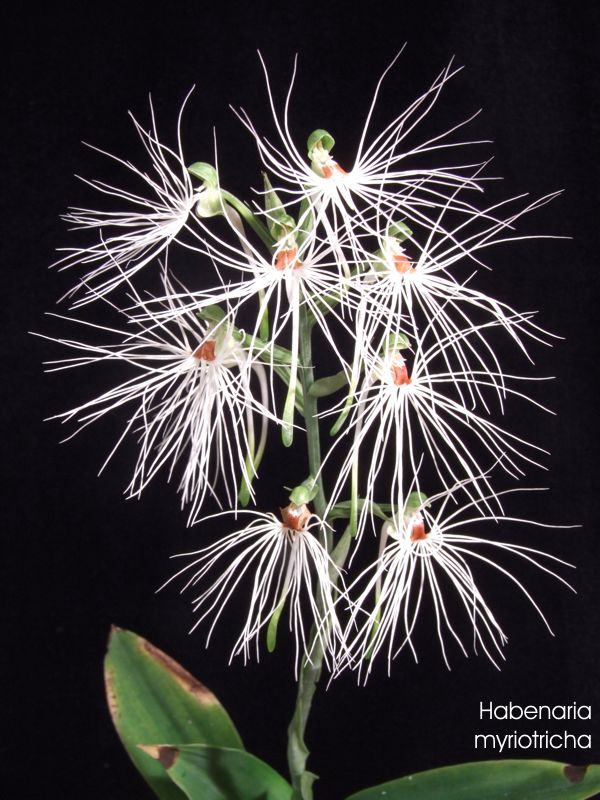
(218, 773)
(326, 386)
(492, 780)
(153, 699)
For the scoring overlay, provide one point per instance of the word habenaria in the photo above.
(345, 285)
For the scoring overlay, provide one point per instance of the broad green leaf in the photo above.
(219, 773)
(492, 780)
(152, 699)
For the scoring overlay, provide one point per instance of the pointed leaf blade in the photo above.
(153, 699)
(509, 779)
(219, 773)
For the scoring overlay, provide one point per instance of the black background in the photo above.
(81, 557)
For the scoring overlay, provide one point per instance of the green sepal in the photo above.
(212, 313)
(205, 772)
(272, 626)
(287, 428)
(400, 231)
(205, 172)
(305, 492)
(319, 136)
(249, 217)
(280, 355)
(373, 633)
(244, 492)
(415, 501)
(251, 465)
(326, 386)
(343, 415)
(152, 699)
(343, 510)
(396, 341)
(279, 222)
(509, 779)
(306, 219)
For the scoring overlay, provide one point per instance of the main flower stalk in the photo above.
(310, 671)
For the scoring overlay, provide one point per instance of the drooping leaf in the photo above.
(217, 773)
(153, 699)
(492, 780)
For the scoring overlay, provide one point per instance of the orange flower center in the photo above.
(330, 169)
(402, 264)
(287, 258)
(418, 532)
(295, 517)
(205, 351)
(400, 374)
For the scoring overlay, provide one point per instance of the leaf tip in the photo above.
(184, 678)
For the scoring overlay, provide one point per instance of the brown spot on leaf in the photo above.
(184, 678)
(166, 754)
(574, 774)
(111, 695)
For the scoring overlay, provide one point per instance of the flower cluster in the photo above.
(371, 266)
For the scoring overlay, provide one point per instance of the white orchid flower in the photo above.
(427, 566)
(287, 570)
(193, 397)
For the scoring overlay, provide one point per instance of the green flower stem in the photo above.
(310, 671)
(313, 440)
(251, 219)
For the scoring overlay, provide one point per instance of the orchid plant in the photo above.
(340, 311)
